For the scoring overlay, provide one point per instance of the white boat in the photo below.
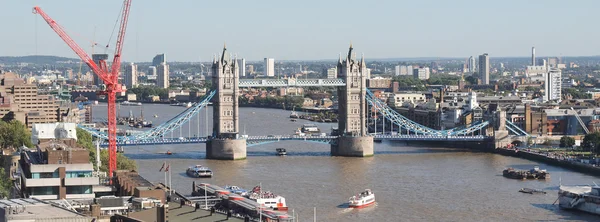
(237, 190)
(366, 198)
(294, 115)
(310, 128)
(268, 199)
(583, 198)
(281, 151)
(199, 171)
(127, 103)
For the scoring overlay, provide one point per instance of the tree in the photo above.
(5, 185)
(472, 80)
(591, 142)
(14, 134)
(123, 163)
(567, 141)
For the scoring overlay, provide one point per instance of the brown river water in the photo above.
(411, 182)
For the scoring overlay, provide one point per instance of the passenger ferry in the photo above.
(237, 190)
(268, 199)
(310, 128)
(366, 198)
(582, 198)
(199, 171)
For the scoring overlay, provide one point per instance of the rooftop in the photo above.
(29, 209)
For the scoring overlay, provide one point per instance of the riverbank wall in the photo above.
(569, 164)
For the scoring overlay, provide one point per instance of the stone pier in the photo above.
(353, 146)
(226, 149)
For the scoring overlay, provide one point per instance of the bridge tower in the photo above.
(225, 143)
(353, 139)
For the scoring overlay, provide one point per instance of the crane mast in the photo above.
(111, 79)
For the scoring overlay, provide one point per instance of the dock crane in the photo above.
(580, 122)
(110, 77)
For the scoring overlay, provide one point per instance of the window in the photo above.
(86, 189)
(44, 190)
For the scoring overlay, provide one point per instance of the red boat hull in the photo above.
(361, 206)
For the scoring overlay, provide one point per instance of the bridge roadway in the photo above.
(256, 140)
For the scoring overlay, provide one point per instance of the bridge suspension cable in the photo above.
(409, 125)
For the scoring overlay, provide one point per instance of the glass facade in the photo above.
(87, 189)
(75, 174)
(43, 190)
(70, 174)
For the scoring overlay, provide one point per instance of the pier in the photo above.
(237, 203)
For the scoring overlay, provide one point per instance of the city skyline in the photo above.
(272, 30)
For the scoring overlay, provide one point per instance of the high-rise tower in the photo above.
(532, 56)
(484, 69)
(269, 67)
(130, 78)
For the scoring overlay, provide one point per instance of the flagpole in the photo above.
(170, 180)
(165, 172)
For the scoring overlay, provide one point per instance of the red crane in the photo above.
(110, 78)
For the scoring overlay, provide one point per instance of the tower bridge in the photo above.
(354, 99)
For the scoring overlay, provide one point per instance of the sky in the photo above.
(194, 30)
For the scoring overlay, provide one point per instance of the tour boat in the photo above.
(237, 190)
(366, 198)
(582, 198)
(281, 151)
(310, 128)
(199, 171)
(268, 199)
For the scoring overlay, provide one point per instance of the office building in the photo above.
(162, 75)
(158, 59)
(130, 78)
(484, 69)
(269, 67)
(332, 73)
(421, 73)
(242, 67)
(97, 58)
(57, 170)
(23, 101)
(406, 70)
(553, 85)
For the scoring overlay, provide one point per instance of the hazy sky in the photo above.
(193, 30)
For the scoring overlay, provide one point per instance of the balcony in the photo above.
(42, 182)
(78, 181)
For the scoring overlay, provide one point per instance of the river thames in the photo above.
(410, 182)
